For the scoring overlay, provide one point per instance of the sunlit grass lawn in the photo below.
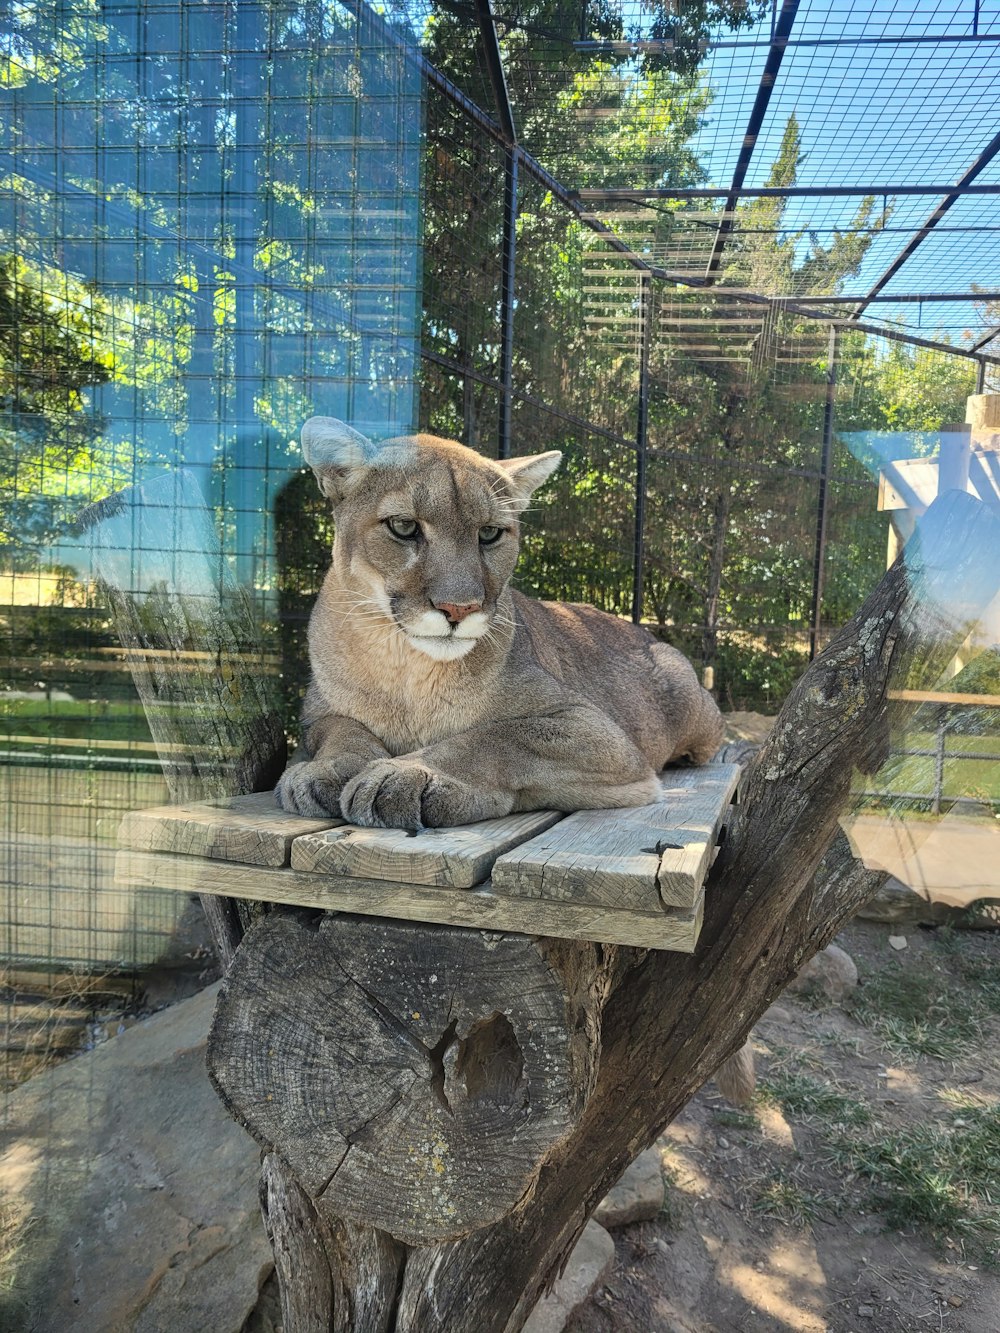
(24, 723)
(964, 774)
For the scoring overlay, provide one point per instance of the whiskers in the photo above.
(356, 606)
(357, 609)
(492, 634)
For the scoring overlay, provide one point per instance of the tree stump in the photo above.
(413, 1078)
(443, 1109)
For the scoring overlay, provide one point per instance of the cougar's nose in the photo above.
(456, 614)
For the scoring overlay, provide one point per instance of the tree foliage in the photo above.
(734, 445)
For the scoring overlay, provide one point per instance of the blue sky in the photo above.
(907, 113)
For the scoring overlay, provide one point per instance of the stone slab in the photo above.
(136, 1193)
(638, 1196)
(590, 1263)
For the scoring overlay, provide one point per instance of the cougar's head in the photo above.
(426, 529)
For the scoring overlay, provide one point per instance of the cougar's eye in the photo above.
(489, 535)
(406, 528)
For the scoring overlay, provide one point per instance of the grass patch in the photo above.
(983, 974)
(964, 773)
(784, 1199)
(733, 1119)
(841, 1043)
(15, 1245)
(943, 1179)
(811, 1098)
(919, 1013)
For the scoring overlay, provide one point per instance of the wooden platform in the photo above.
(633, 876)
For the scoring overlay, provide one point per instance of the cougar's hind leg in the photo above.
(707, 733)
(693, 717)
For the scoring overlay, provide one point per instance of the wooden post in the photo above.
(982, 413)
(443, 1109)
(954, 457)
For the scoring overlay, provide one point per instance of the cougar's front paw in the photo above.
(396, 793)
(311, 789)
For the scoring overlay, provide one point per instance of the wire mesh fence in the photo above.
(221, 219)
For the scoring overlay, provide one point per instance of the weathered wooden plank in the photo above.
(455, 858)
(700, 806)
(248, 829)
(480, 907)
(643, 859)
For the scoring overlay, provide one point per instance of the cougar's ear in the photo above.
(336, 453)
(527, 474)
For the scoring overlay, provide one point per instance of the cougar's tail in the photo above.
(735, 1077)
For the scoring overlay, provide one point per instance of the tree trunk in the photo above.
(657, 1023)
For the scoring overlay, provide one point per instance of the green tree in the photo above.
(51, 352)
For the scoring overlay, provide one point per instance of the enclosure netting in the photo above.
(219, 219)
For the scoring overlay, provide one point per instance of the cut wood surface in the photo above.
(640, 859)
(412, 1080)
(456, 858)
(248, 829)
(673, 928)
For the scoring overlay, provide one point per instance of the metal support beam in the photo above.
(508, 280)
(768, 77)
(640, 193)
(823, 494)
(980, 164)
(641, 443)
(508, 273)
(571, 199)
(665, 46)
(989, 336)
(910, 298)
(494, 66)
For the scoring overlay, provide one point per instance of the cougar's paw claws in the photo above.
(312, 789)
(393, 793)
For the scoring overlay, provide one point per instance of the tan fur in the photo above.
(416, 719)
(736, 1077)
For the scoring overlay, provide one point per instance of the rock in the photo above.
(831, 972)
(638, 1196)
(587, 1267)
(740, 726)
(140, 1193)
(897, 942)
(866, 1312)
(896, 904)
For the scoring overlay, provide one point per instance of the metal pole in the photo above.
(507, 289)
(823, 493)
(508, 275)
(641, 440)
(939, 763)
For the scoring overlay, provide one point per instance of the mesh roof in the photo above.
(890, 93)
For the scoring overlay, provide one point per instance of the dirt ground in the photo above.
(767, 1228)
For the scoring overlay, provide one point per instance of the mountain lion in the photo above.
(439, 695)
